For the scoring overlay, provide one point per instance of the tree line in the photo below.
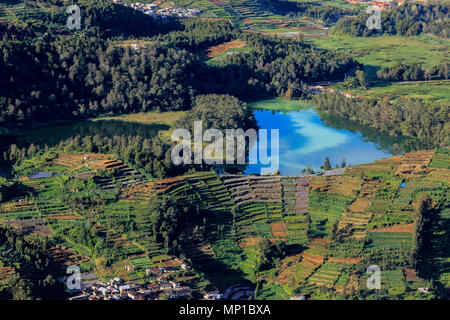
(46, 77)
(413, 72)
(425, 123)
(153, 155)
(279, 67)
(326, 13)
(33, 278)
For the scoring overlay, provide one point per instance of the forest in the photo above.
(424, 123)
(46, 77)
(35, 279)
(326, 13)
(151, 154)
(413, 72)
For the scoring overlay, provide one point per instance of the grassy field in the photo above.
(438, 91)
(280, 104)
(376, 52)
(334, 3)
(154, 117)
(388, 50)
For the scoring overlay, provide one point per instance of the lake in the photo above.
(305, 137)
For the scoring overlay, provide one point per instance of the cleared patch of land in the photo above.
(168, 117)
(221, 48)
(438, 91)
(388, 50)
(279, 104)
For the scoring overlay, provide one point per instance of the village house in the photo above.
(298, 296)
(135, 296)
(155, 11)
(213, 295)
(124, 289)
(424, 289)
(165, 285)
(151, 272)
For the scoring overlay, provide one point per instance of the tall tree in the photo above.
(326, 164)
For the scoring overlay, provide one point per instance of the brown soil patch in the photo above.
(252, 241)
(352, 284)
(319, 243)
(248, 242)
(410, 275)
(278, 230)
(359, 205)
(320, 240)
(413, 163)
(335, 184)
(314, 259)
(32, 226)
(64, 257)
(171, 263)
(356, 260)
(288, 269)
(217, 50)
(71, 217)
(403, 228)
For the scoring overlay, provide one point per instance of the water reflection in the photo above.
(306, 138)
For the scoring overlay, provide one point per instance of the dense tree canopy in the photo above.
(326, 13)
(424, 122)
(413, 72)
(34, 278)
(218, 112)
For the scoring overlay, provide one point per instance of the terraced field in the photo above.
(296, 269)
(6, 273)
(388, 240)
(326, 275)
(19, 12)
(413, 163)
(329, 225)
(296, 228)
(440, 160)
(325, 209)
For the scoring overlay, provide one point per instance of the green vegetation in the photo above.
(387, 50)
(110, 200)
(280, 105)
(434, 91)
(270, 244)
(99, 77)
(401, 120)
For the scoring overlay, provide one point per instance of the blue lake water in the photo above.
(305, 138)
(42, 174)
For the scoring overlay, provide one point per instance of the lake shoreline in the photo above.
(307, 137)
